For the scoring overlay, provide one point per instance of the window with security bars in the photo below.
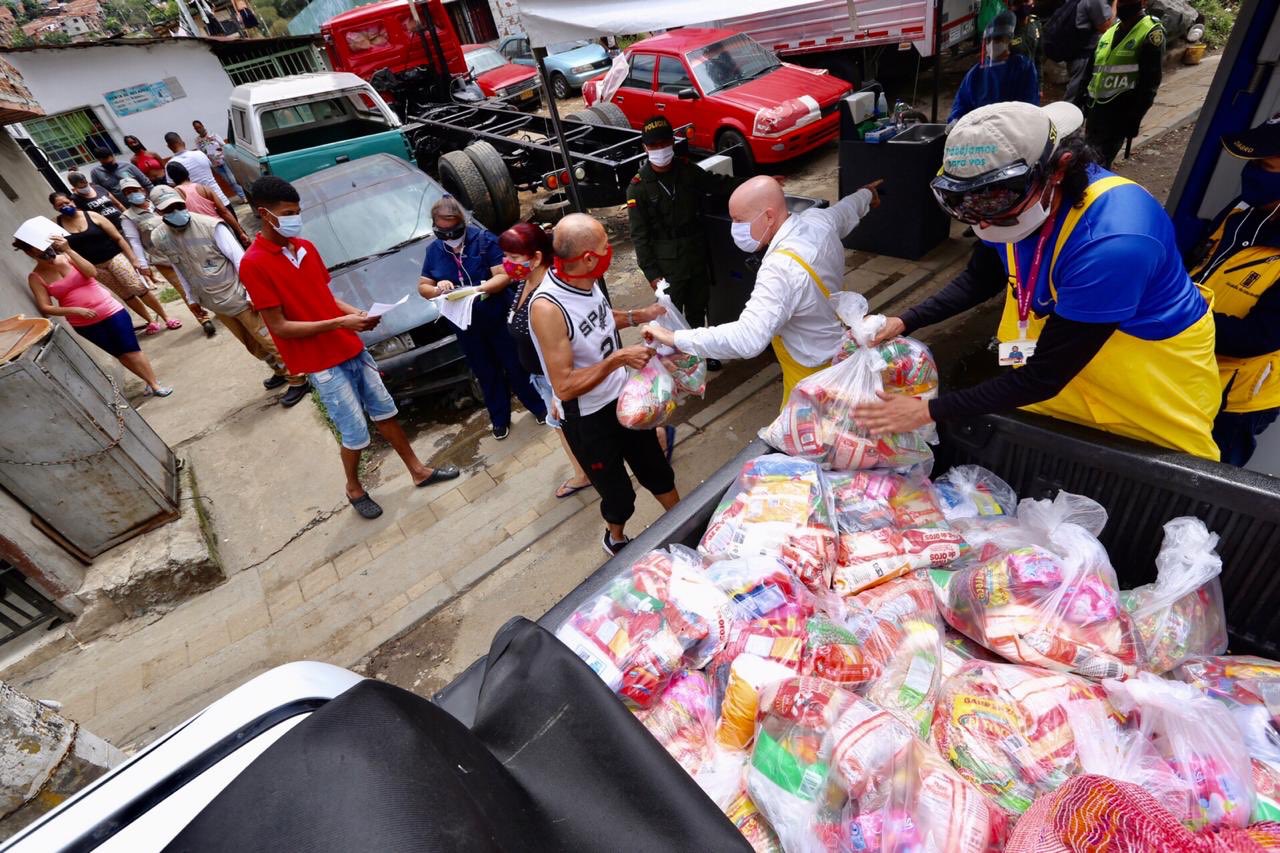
(22, 607)
(69, 138)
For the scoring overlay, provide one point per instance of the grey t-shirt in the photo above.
(1092, 14)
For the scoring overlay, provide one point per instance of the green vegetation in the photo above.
(169, 294)
(1219, 18)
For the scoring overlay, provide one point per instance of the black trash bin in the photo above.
(731, 277)
(908, 223)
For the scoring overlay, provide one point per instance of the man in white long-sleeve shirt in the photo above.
(803, 263)
(208, 255)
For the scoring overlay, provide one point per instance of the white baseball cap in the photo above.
(999, 135)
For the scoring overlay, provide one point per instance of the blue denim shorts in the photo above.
(349, 391)
(543, 387)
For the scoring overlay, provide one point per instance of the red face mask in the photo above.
(517, 271)
(602, 264)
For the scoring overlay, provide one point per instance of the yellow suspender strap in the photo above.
(813, 275)
(1092, 194)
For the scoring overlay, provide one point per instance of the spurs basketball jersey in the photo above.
(592, 334)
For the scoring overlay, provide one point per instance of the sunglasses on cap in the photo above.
(993, 195)
(449, 233)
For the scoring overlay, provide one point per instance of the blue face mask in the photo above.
(178, 218)
(1258, 187)
(289, 226)
(135, 199)
(68, 209)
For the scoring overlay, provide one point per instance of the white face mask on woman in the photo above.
(1028, 222)
(455, 243)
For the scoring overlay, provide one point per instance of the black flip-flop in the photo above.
(366, 506)
(671, 441)
(439, 475)
(573, 490)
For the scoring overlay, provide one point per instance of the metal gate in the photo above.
(22, 608)
(282, 64)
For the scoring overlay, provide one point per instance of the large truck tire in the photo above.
(551, 208)
(460, 176)
(587, 117)
(612, 115)
(497, 178)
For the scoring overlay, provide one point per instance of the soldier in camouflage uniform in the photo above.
(664, 203)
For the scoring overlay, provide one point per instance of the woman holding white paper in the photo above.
(468, 256)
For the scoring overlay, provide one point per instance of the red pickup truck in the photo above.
(732, 91)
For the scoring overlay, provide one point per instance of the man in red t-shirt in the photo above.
(316, 335)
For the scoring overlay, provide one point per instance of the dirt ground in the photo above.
(1156, 165)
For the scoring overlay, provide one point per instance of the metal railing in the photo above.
(22, 608)
(296, 61)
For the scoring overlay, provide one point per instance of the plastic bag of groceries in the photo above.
(929, 808)
(1198, 738)
(660, 615)
(1004, 728)
(869, 558)
(779, 507)
(970, 491)
(817, 421)
(909, 365)
(688, 372)
(872, 500)
(683, 719)
(648, 396)
(1180, 615)
(817, 748)
(1050, 599)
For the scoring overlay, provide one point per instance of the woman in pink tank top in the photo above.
(200, 199)
(60, 273)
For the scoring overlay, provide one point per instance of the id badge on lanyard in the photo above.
(1018, 351)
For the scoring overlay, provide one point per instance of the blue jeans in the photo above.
(350, 390)
(492, 357)
(1236, 434)
(225, 171)
(543, 386)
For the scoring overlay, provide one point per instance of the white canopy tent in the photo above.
(551, 21)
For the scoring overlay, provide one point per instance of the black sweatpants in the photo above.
(602, 446)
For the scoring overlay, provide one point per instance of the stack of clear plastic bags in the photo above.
(1198, 738)
(779, 507)
(648, 396)
(970, 491)
(676, 576)
(683, 720)
(1004, 729)
(869, 558)
(1051, 599)
(688, 371)
(1181, 614)
(817, 421)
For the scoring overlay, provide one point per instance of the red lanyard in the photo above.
(1025, 288)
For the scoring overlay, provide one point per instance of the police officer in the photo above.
(664, 203)
(1241, 265)
(1126, 72)
(1028, 35)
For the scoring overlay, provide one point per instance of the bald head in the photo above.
(579, 241)
(761, 203)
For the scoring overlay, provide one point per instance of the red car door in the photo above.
(673, 78)
(635, 95)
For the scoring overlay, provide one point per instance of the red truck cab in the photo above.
(732, 90)
(393, 34)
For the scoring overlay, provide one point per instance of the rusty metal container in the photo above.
(74, 451)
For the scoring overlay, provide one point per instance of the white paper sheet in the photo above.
(38, 232)
(377, 309)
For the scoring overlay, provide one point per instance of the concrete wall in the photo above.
(69, 78)
(506, 15)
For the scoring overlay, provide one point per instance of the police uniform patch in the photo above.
(631, 202)
(1156, 37)
(635, 179)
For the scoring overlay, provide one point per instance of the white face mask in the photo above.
(455, 243)
(1028, 222)
(741, 232)
(662, 157)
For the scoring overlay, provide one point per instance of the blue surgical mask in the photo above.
(289, 226)
(1258, 187)
(135, 199)
(68, 210)
(178, 218)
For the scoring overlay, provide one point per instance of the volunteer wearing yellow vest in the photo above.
(803, 264)
(1126, 73)
(1241, 266)
(1114, 334)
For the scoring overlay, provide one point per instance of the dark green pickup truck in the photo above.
(299, 125)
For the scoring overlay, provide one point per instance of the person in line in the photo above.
(196, 164)
(1028, 35)
(61, 274)
(200, 199)
(467, 255)
(147, 161)
(526, 258)
(575, 333)
(1093, 18)
(108, 173)
(1001, 75)
(1121, 339)
(803, 263)
(209, 258)
(1128, 65)
(1240, 265)
(316, 334)
(99, 242)
(664, 207)
(212, 145)
(140, 219)
(92, 197)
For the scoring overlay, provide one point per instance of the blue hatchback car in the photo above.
(569, 64)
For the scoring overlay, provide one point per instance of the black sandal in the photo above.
(448, 472)
(366, 506)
